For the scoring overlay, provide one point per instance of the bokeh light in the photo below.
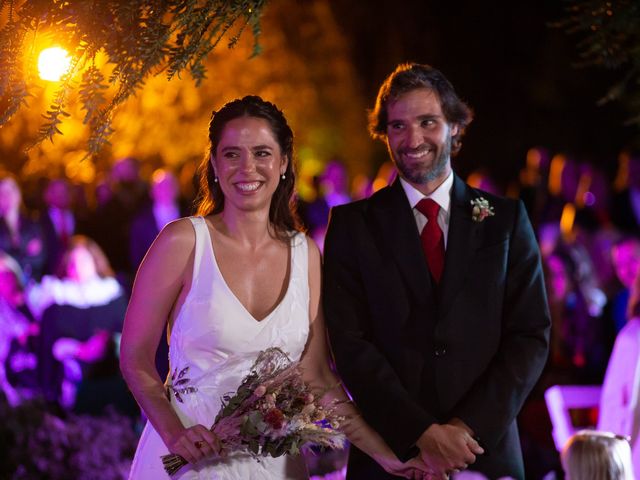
(53, 63)
(589, 199)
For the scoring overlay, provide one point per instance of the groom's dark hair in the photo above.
(412, 76)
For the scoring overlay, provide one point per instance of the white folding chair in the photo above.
(560, 399)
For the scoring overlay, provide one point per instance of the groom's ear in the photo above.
(455, 129)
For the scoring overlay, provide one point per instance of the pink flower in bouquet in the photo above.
(260, 391)
(274, 418)
(309, 398)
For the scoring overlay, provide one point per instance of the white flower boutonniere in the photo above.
(481, 209)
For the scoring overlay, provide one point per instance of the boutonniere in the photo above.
(481, 209)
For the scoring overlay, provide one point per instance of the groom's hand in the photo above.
(412, 469)
(448, 447)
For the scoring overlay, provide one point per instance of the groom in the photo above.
(434, 296)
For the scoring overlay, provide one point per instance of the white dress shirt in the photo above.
(441, 195)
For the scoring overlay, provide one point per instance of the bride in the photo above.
(231, 282)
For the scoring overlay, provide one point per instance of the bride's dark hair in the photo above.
(210, 199)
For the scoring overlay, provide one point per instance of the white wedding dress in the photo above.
(213, 345)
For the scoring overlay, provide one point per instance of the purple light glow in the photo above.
(589, 199)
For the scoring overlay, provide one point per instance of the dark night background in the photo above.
(517, 72)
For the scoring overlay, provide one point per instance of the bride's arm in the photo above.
(318, 373)
(159, 281)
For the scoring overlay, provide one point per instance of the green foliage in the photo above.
(138, 39)
(12, 81)
(232, 401)
(253, 424)
(611, 40)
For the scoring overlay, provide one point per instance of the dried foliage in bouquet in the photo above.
(272, 413)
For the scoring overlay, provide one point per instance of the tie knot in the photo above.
(428, 208)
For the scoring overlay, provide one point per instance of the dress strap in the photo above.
(203, 257)
(300, 262)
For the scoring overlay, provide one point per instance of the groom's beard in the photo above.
(421, 173)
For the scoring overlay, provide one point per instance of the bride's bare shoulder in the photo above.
(176, 238)
(180, 231)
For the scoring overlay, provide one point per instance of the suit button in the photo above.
(440, 351)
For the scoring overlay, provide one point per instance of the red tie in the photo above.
(432, 237)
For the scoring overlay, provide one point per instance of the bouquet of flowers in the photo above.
(272, 413)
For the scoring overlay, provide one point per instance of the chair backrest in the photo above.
(560, 400)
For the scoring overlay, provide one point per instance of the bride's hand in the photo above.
(195, 443)
(412, 469)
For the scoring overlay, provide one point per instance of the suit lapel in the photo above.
(394, 218)
(462, 242)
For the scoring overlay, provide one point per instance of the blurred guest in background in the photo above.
(82, 312)
(149, 220)
(330, 189)
(533, 183)
(594, 455)
(334, 183)
(129, 193)
(625, 211)
(18, 336)
(315, 213)
(102, 192)
(578, 350)
(619, 406)
(58, 221)
(127, 187)
(20, 236)
(625, 256)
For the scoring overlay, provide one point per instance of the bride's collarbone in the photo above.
(259, 280)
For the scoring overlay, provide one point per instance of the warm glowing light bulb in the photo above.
(53, 63)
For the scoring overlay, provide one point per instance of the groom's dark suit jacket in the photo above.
(412, 353)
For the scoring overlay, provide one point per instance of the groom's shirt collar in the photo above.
(441, 195)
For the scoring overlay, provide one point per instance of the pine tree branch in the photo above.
(139, 38)
(611, 40)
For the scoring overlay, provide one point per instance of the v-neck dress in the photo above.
(213, 344)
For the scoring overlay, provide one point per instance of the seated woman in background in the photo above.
(82, 313)
(619, 405)
(20, 236)
(18, 336)
(596, 455)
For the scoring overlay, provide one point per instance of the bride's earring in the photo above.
(283, 176)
